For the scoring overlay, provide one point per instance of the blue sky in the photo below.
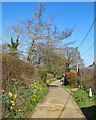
(68, 14)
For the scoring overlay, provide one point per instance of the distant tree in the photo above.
(49, 57)
(70, 54)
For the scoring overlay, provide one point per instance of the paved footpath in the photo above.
(57, 104)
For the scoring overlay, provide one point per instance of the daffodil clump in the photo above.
(10, 94)
(21, 100)
(2, 91)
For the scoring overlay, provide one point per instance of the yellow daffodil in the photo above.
(34, 95)
(13, 79)
(16, 82)
(23, 99)
(31, 84)
(40, 88)
(13, 104)
(34, 100)
(23, 87)
(10, 94)
(19, 110)
(34, 92)
(10, 107)
(2, 90)
(12, 101)
(15, 96)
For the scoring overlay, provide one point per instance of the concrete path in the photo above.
(57, 104)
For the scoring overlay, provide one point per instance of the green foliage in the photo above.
(82, 98)
(5, 100)
(46, 68)
(43, 75)
(20, 101)
(13, 47)
(86, 104)
(69, 86)
(66, 70)
(63, 75)
(61, 80)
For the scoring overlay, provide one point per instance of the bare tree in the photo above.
(12, 34)
(4, 47)
(37, 29)
(71, 58)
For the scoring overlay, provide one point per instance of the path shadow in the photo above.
(52, 85)
(90, 112)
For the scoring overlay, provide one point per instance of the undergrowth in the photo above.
(86, 103)
(19, 101)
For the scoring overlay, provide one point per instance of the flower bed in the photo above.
(21, 99)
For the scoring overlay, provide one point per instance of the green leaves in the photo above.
(5, 100)
(13, 47)
(25, 100)
(82, 98)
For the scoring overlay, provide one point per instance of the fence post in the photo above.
(90, 92)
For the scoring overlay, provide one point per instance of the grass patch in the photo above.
(82, 98)
(69, 86)
(86, 104)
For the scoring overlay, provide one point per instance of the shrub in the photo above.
(88, 82)
(13, 67)
(43, 75)
(71, 79)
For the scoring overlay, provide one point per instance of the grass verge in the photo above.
(69, 86)
(86, 104)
